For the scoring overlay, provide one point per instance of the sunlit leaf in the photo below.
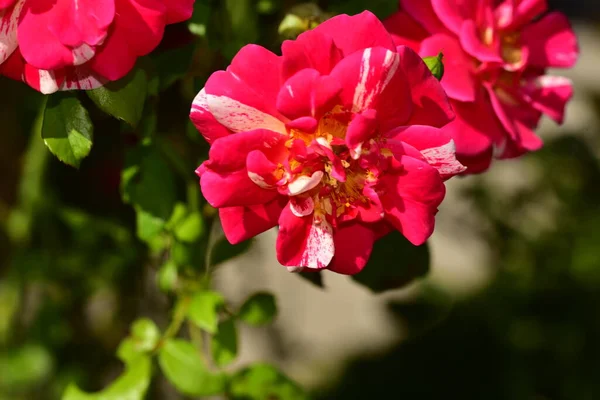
(132, 385)
(204, 310)
(435, 65)
(181, 363)
(167, 276)
(263, 381)
(190, 229)
(67, 129)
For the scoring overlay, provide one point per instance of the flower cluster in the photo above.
(337, 142)
(80, 44)
(496, 55)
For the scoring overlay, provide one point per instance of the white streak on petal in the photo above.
(319, 246)
(295, 269)
(9, 20)
(82, 54)
(361, 89)
(363, 97)
(290, 90)
(240, 117)
(82, 78)
(256, 178)
(443, 159)
(48, 82)
(302, 207)
(304, 183)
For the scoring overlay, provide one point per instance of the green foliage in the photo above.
(436, 65)
(24, 366)
(180, 362)
(258, 309)
(148, 184)
(263, 381)
(123, 99)
(67, 129)
(132, 385)
(204, 308)
(394, 263)
(223, 251)
(224, 344)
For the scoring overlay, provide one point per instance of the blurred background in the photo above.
(510, 308)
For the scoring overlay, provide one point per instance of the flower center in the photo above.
(336, 180)
(511, 49)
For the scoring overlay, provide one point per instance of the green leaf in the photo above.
(145, 333)
(173, 64)
(67, 129)
(148, 183)
(148, 226)
(258, 309)
(314, 277)
(223, 250)
(24, 367)
(132, 385)
(167, 276)
(435, 65)
(180, 362)
(143, 339)
(190, 229)
(263, 381)
(180, 211)
(204, 310)
(123, 99)
(394, 263)
(224, 344)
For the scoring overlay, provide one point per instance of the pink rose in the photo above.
(336, 141)
(80, 44)
(496, 54)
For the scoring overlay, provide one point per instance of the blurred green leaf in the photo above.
(258, 309)
(148, 183)
(148, 226)
(24, 367)
(394, 263)
(263, 381)
(173, 64)
(204, 310)
(167, 276)
(435, 65)
(180, 362)
(314, 277)
(132, 385)
(123, 99)
(224, 344)
(190, 229)
(67, 129)
(145, 333)
(9, 305)
(223, 251)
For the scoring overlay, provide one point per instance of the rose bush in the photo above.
(337, 142)
(80, 44)
(496, 57)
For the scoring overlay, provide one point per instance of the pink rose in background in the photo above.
(336, 141)
(80, 44)
(496, 54)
